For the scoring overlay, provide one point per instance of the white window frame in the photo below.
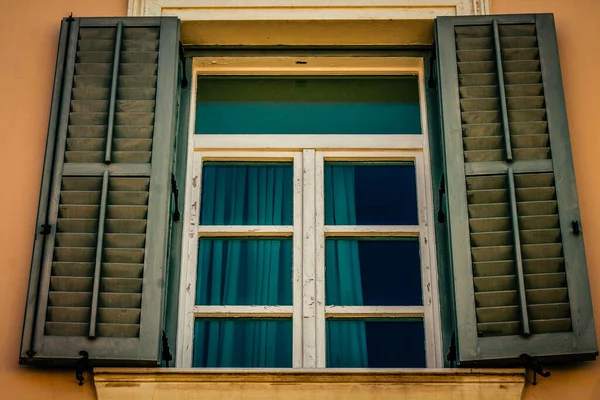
(308, 154)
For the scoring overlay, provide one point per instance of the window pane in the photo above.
(243, 343)
(370, 194)
(375, 344)
(244, 272)
(373, 272)
(247, 194)
(309, 105)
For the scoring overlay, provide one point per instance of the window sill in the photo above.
(290, 384)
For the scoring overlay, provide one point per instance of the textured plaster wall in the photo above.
(28, 42)
(579, 45)
(28, 38)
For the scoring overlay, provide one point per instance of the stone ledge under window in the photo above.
(325, 384)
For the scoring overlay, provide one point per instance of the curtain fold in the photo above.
(347, 344)
(244, 271)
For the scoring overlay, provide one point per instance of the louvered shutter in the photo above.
(520, 275)
(100, 248)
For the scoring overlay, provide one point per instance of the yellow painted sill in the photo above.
(292, 384)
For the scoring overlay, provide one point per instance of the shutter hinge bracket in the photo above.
(70, 19)
(30, 353)
(45, 229)
(440, 215)
(451, 356)
(535, 365)
(82, 366)
(575, 227)
(175, 190)
(166, 352)
(184, 81)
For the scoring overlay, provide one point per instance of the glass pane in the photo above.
(247, 194)
(373, 272)
(242, 343)
(309, 105)
(370, 194)
(375, 344)
(244, 272)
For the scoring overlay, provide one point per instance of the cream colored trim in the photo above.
(244, 10)
(296, 384)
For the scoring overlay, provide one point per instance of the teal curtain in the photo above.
(347, 344)
(243, 271)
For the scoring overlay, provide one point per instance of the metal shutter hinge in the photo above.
(184, 81)
(535, 365)
(175, 190)
(166, 352)
(575, 227)
(45, 229)
(451, 356)
(82, 366)
(442, 190)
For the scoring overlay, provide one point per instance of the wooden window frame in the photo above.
(308, 153)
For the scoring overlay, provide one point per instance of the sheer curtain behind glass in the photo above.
(244, 271)
(342, 273)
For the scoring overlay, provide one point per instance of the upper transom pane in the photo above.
(308, 105)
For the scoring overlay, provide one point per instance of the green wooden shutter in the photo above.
(520, 275)
(99, 254)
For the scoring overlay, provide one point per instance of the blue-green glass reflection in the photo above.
(370, 194)
(242, 343)
(375, 344)
(308, 105)
(246, 194)
(244, 272)
(373, 272)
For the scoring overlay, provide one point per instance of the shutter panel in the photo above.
(100, 250)
(520, 275)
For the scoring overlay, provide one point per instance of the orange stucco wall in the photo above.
(28, 37)
(28, 40)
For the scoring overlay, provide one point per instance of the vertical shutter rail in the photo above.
(59, 157)
(113, 95)
(502, 92)
(517, 249)
(38, 249)
(99, 251)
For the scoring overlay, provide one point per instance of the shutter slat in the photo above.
(93, 69)
(549, 311)
(70, 284)
(119, 315)
(69, 314)
(137, 69)
(118, 330)
(496, 299)
(498, 314)
(139, 45)
(77, 145)
(547, 296)
(139, 57)
(495, 283)
(125, 225)
(120, 270)
(499, 328)
(120, 285)
(541, 281)
(551, 325)
(114, 240)
(60, 268)
(66, 329)
(89, 106)
(120, 300)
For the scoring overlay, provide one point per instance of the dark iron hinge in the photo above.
(184, 81)
(451, 356)
(83, 364)
(532, 363)
(575, 227)
(175, 190)
(45, 229)
(441, 191)
(166, 352)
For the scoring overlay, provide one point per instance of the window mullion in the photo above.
(320, 260)
(309, 300)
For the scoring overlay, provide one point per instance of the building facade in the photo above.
(29, 41)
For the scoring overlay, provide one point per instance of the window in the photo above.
(307, 182)
(322, 183)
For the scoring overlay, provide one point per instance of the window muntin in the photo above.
(310, 153)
